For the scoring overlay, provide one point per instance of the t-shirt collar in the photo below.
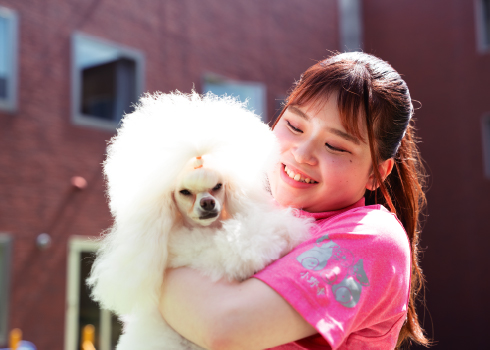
(328, 214)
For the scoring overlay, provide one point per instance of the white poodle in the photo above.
(187, 186)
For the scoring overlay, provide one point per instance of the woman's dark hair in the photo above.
(370, 88)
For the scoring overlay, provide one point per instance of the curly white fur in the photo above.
(144, 160)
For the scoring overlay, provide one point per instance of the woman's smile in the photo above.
(297, 175)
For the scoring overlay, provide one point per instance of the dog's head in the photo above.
(146, 165)
(200, 194)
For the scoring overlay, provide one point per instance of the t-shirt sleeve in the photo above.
(350, 280)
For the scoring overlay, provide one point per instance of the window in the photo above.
(483, 24)
(107, 80)
(350, 25)
(253, 92)
(8, 60)
(486, 145)
(81, 310)
(5, 243)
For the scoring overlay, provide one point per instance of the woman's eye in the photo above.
(295, 129)
(217, 187)
(335, 149)
(185, 192)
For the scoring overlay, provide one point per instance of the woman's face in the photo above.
(328, 168)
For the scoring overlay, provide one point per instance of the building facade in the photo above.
(69, 69)
(442, 49)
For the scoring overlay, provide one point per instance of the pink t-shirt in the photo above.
(350, 280)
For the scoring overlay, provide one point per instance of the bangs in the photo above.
(349, 80)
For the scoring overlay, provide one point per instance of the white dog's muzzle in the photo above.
(206, 207)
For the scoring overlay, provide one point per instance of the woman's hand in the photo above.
(228, 315)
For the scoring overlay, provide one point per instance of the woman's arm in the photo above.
(229, 315)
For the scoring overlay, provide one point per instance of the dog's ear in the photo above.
(129, 268)
(173, 211)
(236, 199)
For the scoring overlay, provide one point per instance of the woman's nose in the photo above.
(304, 153)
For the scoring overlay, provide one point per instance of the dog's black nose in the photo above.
(207, 203)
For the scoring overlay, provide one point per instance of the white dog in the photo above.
(187, 186)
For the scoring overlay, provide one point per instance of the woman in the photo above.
(348, 159)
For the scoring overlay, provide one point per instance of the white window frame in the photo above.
(5, 247)
(76, 246)
(9, 104)
(78, 118)
(350, 25)
(260, 92)
(482, 42)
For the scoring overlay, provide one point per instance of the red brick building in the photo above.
(442, 48)
(55, 120)
(46, 140)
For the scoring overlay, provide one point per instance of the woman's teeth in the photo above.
(297, 177)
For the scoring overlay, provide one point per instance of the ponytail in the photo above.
(403, 193)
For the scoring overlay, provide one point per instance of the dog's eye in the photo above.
(185, 192)
(217, 187)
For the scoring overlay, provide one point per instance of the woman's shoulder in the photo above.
(373, 222)
(376, 213)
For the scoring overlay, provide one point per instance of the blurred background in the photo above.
(70, 68)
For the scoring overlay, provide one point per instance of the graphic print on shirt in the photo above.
(338, 269)
(317, 257)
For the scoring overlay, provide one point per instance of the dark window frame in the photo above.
(123, 53)
(9, 103)
(257, 100)
(482, 21)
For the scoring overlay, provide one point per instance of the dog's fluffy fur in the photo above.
(147, 165)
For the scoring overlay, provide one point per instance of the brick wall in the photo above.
(266, 41)
(433, 44)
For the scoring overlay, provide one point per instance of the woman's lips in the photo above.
(297, 175)
(295, 183)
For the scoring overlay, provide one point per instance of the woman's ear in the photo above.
(384, 169)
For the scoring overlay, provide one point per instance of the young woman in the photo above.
(348, 159)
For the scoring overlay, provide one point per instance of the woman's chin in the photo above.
(286, 200)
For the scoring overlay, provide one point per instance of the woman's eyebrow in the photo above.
(344, 135)
(298, 112)
(340, 133)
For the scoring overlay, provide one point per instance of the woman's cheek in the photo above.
(283, 137)
(273, 175)
(344, 163)
(337, 170)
